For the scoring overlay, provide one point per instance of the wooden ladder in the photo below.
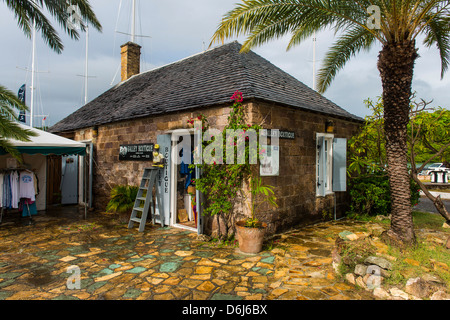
(144, 200)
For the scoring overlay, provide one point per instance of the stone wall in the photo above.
(109, 171)
(294, 187)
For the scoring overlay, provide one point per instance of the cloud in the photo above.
(179, 29)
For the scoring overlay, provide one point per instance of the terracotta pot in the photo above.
(250, 239)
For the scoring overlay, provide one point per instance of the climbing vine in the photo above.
(221, 182)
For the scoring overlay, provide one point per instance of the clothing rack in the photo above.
(19, 170)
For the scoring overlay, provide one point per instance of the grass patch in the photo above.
(428, 256)
(421, 220)
(224, 242)
(425, 257)
(427, 220)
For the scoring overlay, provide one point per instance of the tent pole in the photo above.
(84, 187)
(91, 163)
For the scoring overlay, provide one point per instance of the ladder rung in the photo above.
(149, 175)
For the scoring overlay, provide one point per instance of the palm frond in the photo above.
(347, 46)
(28, 12)
(9, 129)
(9, 148)
(264, 20)
(8, 102)
(437, 32)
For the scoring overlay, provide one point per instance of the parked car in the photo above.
(438, 166)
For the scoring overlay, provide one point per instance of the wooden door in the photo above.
(53, 180)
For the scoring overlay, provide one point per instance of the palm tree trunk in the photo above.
(396, 64)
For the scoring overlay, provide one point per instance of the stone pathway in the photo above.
(116, 263)
(304, 271)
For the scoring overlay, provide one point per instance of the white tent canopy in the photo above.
(47, 143)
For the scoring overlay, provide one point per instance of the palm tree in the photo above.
(400, 23)
(9, 128)
(28, 14)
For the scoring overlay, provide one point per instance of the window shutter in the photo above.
(339, 164)
(321, 167)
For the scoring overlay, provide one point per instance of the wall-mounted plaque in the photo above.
(136, 152)
(282, 134)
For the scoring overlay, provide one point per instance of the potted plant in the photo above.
(250, 232)
(122, 201)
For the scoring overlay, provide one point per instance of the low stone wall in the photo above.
(370, 273)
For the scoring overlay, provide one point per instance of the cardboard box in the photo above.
(182, 215)
(191, 190)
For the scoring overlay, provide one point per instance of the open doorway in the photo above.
(184, 202)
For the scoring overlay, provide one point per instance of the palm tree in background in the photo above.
(29, 13)
(396, 24)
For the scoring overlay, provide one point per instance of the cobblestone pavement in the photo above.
(117, 263)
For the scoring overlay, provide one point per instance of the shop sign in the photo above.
(282, 134)
(136, 152)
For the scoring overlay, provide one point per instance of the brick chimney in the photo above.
(130, 60)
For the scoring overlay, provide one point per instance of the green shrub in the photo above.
(370, 195)
(122, 199)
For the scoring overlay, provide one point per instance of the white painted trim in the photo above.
(177, 225)
(173, 189)
(328, 136)
(174, 131)
(173, 183)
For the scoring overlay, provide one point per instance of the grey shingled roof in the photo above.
(203, 80)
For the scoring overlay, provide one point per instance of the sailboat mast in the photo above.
(133, 22)
(32, 74)
(86, 67)
(314, 61)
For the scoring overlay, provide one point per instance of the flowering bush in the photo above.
(221, 182)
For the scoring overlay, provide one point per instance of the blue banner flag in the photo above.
(21, 95)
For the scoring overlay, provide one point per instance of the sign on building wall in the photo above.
(282, 134)
(270, 160)
(136, 152)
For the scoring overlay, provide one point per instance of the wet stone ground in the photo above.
(116, 263)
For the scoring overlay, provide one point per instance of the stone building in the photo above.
(149, 108)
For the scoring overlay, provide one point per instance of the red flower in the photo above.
(237, 96)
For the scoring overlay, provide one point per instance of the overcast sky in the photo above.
(176, 29)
